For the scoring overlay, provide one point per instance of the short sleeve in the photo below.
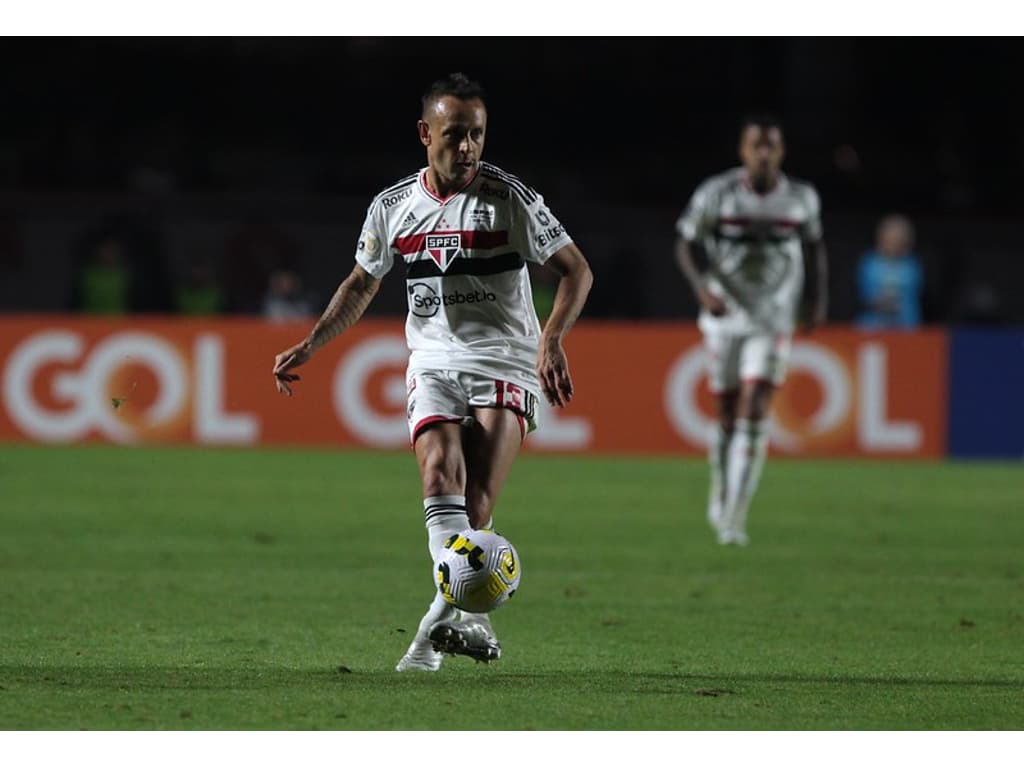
(811, 229)
(697, 221)
(373, 252)
(537, 227)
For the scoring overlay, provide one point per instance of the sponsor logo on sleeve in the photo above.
(369, 244)
(549, 235)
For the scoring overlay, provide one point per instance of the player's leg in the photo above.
(718, 455)
(724, 379)
(491, 445)
(437, 410)
(763, 362)
(439, 453)
(746, 457)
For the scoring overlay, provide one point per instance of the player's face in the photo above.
(761, 151)
(453, 132)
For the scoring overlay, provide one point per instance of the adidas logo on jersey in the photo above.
(409, 220)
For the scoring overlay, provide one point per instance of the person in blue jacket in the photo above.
(890, 278)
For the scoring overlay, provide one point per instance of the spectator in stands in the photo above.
(200, 293)
(103, 285)
(890, 278)
(285, 299)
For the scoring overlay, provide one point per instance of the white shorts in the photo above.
(733, 359)
(434, 396)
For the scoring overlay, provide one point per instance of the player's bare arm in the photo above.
(816, 257)
(552, 364)
(693, 263)
(345, 308)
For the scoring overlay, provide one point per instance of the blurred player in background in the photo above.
(742, 242)
(464, 231)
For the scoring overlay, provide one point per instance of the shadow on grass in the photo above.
(152, 678)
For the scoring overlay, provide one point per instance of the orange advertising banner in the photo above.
(640, 388)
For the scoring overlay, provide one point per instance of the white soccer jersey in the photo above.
(753, 243)
(470, 303)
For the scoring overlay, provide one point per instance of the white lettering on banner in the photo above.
(349, 392)
(556, 432)
(875, 431)
(210, 422)
(829, 371)
(680, 395)
(390, 430)
(87, 390)
(137, 348)
(34, 420)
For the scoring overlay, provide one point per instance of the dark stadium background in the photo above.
(183, 548)
(214, 149)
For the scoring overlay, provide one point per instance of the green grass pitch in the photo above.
(181, 589)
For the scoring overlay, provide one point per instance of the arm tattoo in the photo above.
(345, 308)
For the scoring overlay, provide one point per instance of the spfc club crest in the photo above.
(443, 248)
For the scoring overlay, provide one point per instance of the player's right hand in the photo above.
(291, 358)
(712, 303)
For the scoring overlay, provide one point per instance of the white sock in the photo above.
(444, 516)
(746, 458)
(439, 610)
(718, 459)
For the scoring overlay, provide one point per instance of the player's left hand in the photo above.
(553, 371)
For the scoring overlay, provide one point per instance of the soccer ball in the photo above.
(477, 570)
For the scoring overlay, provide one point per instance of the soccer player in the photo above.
(464, 231)
(742, 242)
